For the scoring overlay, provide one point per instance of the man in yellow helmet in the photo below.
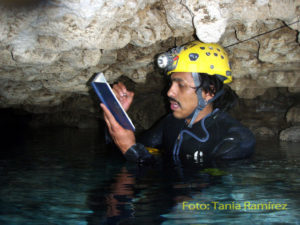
(199, 128)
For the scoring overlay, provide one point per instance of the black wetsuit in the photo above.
(217, 135)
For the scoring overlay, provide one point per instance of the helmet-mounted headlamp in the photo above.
(168, 60)
(164, 60)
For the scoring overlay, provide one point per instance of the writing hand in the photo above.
(123, 138)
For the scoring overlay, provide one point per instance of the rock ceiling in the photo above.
(50, 50)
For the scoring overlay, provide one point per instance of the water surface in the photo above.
(69, 176)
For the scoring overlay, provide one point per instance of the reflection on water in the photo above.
(69, 176)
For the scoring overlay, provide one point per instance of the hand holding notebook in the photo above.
(111, 101)
(124, 96)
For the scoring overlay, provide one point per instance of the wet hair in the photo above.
(212, 84)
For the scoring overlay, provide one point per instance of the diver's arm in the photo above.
(238, 143)
(125, 139)
(138, 153)
(151, 138)
(122, 137)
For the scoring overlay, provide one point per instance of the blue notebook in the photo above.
(108, 98)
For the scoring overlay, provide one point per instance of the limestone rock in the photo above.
(291, 134)
(81, 59)
(293, 115)
(295, 89)
(208, 18)
(264, 132)
(49, 51)
(280, 46)
(179, 18)
(147, 28)
(6, 59)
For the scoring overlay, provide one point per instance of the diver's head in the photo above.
(192, 67)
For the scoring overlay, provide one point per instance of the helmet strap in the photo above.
(202, 103)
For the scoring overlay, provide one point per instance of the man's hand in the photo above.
(124, 96)
(123, 138)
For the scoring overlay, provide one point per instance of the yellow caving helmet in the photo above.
(198, 57)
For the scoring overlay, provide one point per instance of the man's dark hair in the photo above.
(212, 84)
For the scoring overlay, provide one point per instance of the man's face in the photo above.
(182, 94)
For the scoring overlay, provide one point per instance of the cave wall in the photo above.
(50, 50)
